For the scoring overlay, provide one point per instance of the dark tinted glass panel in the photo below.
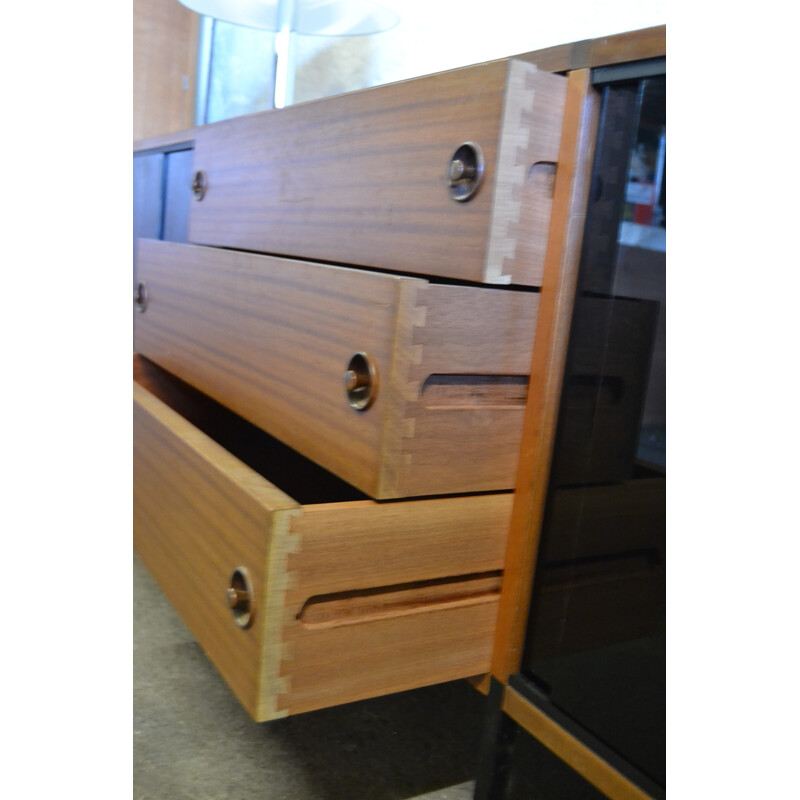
(596, 638)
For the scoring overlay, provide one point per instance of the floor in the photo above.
(193, 741)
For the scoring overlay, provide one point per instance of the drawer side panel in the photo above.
(198, 514)
(271, 339)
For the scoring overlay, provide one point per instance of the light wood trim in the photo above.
(165, 37)
(360, 178)
(547, 368)
(569, 749)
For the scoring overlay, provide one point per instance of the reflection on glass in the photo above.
(242, 71)
(596, 639)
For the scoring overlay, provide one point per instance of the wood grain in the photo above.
(367, 545)
(547, 369)
(199, 513)
(271, 339)
(360, 178)
(579, 757)
(164, 67)
(602, 51)
(458, 444)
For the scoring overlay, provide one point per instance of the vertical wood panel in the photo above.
(164, 66)
(547, 368)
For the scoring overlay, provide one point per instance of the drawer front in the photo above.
(272, 339)
(363, 178)
(348, 600)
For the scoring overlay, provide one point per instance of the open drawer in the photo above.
(449, 174)
(440, 371)
(307, 603)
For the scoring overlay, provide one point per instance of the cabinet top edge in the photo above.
(619, 48)
(179, 140)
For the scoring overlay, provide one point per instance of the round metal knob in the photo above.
(199, 184)
(140, 297)
(459, 171)
(465, 171)
(361, 382)
(239, 596)
(236, 597)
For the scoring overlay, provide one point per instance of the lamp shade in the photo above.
(309, 17)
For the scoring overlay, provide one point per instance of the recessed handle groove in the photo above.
(474, 390)
(362, 605)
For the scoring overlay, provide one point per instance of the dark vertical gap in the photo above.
(163, 191)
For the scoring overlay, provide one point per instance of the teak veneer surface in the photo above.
(164, 57)
(352, 599)
(271, 339)
(360, 178)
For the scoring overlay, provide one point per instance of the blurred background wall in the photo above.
(432, 35)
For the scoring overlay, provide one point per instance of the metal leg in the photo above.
(497, 748)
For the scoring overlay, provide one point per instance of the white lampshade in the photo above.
(309, 17)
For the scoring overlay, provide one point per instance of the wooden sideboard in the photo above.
(348, 379)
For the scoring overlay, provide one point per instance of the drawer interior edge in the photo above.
(299, 480)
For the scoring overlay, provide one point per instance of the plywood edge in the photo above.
(529, 137)
(274, 683)
(245, 478)
(577, 755)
